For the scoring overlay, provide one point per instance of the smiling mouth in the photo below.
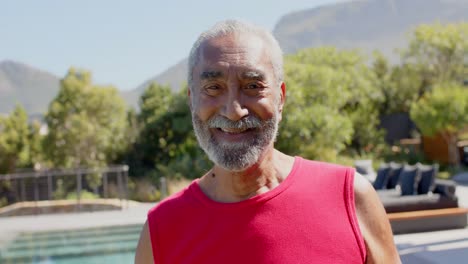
(234, 130)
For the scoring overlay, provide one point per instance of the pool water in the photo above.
(102, 245)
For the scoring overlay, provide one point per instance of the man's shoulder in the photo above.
(322, 165)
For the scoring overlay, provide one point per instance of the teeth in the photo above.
(233, 130)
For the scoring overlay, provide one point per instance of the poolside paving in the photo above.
(449, 246)
(11, 226)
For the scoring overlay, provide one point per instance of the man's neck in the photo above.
(226, 186)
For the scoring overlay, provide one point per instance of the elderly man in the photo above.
(258, 205)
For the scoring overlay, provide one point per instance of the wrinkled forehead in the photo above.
(243, 48)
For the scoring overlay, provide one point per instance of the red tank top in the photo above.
(308, 218)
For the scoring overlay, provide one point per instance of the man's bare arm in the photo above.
(144, 252)
(374, 223)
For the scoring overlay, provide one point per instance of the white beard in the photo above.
(235, 156)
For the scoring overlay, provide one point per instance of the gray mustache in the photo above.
(245, 123)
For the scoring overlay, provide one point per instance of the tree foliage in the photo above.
(334, 100)
(86, 123)
(35, 137)
(399, 85)
(444, 110)
(14, 140)
(19, 147)
(440, 52)
(166, 143)
(440, 55)
(330, 104)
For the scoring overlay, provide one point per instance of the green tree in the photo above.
(166, 144)
(14, 140)
(399, 85)
(439, 52)
(444, 110)
(35, 151)
(184, 158)
(154, 103)
(86, 123)
(331, 104)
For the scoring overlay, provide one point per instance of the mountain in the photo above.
(367, 24)
(175, 77)
(31, 87)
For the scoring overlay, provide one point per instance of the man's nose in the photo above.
(234, 109)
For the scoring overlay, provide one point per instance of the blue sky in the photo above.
(122, 43)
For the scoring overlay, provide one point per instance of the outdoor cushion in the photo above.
(446, 188)
(407, 179)
(361, 169)
(417, 202)
(394, 175)
(382, 177)
(443, 196)
(389, 193)
(427, 177)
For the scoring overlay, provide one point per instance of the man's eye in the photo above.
(212, 90)
(253, 86)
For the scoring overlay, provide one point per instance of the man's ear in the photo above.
(189, 98)
(282, 97)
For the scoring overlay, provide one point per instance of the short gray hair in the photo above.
(227, 27)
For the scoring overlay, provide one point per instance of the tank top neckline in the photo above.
(195, 189)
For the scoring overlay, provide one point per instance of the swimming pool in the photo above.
(111, 245)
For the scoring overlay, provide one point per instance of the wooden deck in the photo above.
(428, 220)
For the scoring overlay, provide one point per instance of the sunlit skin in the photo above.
(235, 80)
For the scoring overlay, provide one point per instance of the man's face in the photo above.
(235, 100)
